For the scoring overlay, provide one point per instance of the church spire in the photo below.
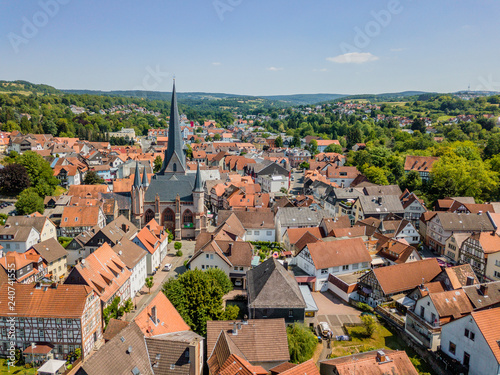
(145, 182)
(175, 158)
(137, 176)
(198, 182)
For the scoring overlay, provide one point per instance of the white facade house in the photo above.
(260, 234)
(473, 341)
(409, 233)
(273, 184)
(17, 238)
(135, 258)
(337, 257)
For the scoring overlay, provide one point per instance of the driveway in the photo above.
(335, 312)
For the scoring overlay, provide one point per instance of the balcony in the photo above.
(424, 339)
(431, 327)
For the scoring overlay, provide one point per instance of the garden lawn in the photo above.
(383, 337)
(18, 370)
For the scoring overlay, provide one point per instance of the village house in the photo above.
(442, 224)
(18, 238)
(105, 272)
(482, 251)
(425, 319)
(320, 259)
(266, 301)
(77, 219)
(56, 258)
(25, 268)
(154, 240)
(421, 164)
(67, 317)
(473, 342)
(381, 284)
(262, 342)
(296, 217)
(259, 224)
(376, 206)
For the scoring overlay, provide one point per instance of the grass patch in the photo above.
(384, 337)
(19, 370)
(64, 241)
(59, 191)
(444, 118)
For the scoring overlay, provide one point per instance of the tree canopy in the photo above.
(14, 179)
(197, 296)
(301, 342)
(29, 201)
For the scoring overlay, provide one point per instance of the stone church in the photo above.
(173, 197)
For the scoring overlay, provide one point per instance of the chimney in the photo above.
(381, 357)
(484, 289)
(470, 281)
(129, 349)
(235, 329)
(245, 319)
(124, 228)
(379, 200)
(230, 248)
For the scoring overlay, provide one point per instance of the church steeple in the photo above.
(175, 158)
(145, 182)
(137, 176)
(198, 182)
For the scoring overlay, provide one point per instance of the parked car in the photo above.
(167, 267)
(324, 329)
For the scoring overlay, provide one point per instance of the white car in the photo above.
(167, 267)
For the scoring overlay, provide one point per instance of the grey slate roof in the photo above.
(270, 285)
(383, 190)
(452, 221)
(388, 204)
(175, 142)
(198, 182)
(300, 216)
(168, 186)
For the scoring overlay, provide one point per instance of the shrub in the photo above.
(364, 307)
(177, 245)
(370, 324)
(178, 253)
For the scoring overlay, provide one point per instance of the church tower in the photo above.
(138, 190)
(199, 203)
(175, 158)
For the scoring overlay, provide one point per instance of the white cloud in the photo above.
(320, 70)
(274, 69)
(353, 58)
(216, 63)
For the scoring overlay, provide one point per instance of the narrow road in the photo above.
(161, 276)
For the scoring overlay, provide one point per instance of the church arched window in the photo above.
(149, 215)
(168, 215)
(187, 217)
(174, 167)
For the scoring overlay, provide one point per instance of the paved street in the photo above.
(297, 184)
(161, 276)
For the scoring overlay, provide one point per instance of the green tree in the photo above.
(14, 179)
(149, 283)
(221, 278)
(197, 295)
(304, 165)
(418, 124)
(39, 171)
(29, 201)
(278, 142)
(189, 151)
(115, 310)
(376, 175)
(370, 324)
(157, 164)
(411, 181)
(334, 148)
(217, 137)
(354, 136)
(313, 147)
(454, 176)
(177, 245)
(92, 178)
(301, 342)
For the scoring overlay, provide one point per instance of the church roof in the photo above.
(198, 183)
(168, 186)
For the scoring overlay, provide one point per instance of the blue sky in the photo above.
(255, 47)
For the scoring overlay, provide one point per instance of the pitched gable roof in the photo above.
(338, 253)
(405, 276)
(270, 285)
(488, 322)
